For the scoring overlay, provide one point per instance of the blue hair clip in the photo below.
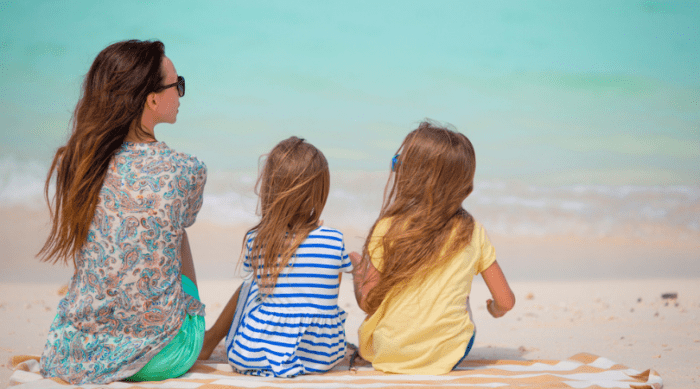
(394, 162)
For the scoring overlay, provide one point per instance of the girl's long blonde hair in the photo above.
(293, 188)
(423, 198)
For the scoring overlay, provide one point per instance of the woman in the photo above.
(122, 203)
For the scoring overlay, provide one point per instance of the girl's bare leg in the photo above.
(186, 258)
(220, 328)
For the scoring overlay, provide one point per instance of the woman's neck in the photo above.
(142, 134)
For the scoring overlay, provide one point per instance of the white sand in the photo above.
(574, 312)
(560, 320)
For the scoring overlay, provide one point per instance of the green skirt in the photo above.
(181, 353)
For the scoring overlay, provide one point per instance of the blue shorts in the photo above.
(181, 352)
(469, 348)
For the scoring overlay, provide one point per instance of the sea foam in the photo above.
(503, 207)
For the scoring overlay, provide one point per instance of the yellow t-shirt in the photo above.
(425, 329)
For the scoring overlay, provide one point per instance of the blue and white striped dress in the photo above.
(299, 328)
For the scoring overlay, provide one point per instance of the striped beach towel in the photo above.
(580, 371)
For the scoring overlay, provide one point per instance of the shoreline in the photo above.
(216, 250)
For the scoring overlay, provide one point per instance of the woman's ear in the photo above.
(151, 102)
(150, 114)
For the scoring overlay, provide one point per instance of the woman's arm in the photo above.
(221, 327)
(503, 297)
(364, 278)
(186, 258)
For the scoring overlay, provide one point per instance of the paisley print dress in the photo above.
(125, 301)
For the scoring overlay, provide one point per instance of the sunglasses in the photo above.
(180, 86)
(394, 162)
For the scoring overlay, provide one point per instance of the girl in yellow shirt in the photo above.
(415, 273)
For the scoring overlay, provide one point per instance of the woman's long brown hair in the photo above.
(113, 96)
(428, 226)
(293, 188)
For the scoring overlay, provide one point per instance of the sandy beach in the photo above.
(584, 122)
(625, 321)
(574, 296)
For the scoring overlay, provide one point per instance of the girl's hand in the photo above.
(364, 278)
(355, 259)
(494, 309)
(503, 297)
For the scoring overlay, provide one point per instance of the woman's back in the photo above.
(126, 300)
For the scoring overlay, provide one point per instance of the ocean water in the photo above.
(556, 93)
(585, 116)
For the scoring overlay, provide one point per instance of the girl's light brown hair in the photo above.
(112, 101)
(423, 201)
(293, 188)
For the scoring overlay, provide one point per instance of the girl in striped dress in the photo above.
(284, 320)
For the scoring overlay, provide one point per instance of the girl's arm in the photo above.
(364, 278)
(503, 297)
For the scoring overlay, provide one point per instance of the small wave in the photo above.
(22, 183)
(229, 209)
(502, 207)
(588, 210)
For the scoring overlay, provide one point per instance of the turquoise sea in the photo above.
(585, 116)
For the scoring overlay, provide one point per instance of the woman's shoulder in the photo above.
(187, 162)
(160, 151)
(182, 156)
